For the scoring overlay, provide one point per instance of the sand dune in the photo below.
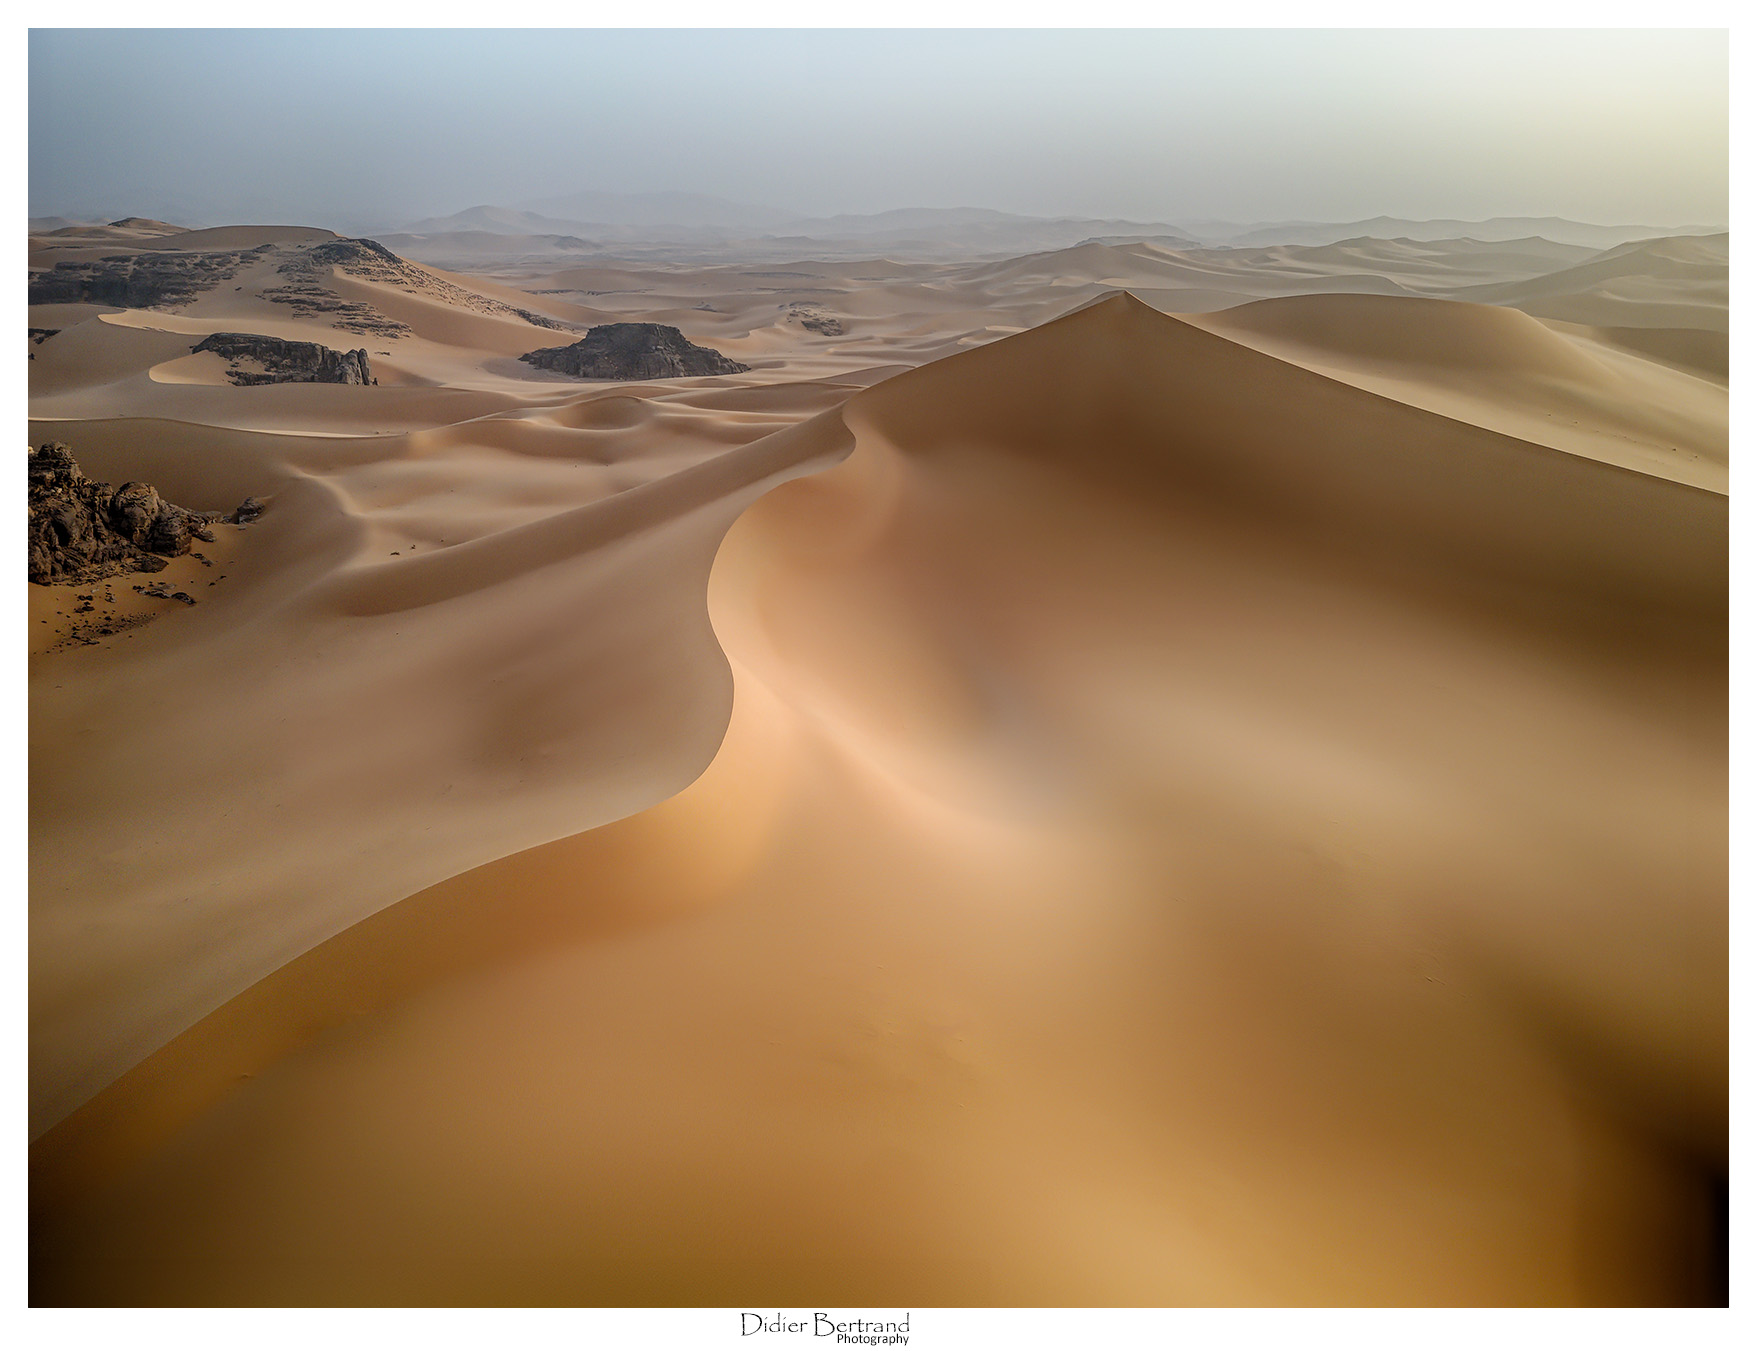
(1660, 283)
(250, 236)
(940, 299)
(129, 229)
(1496, 229)
(1149, 264)
(1030, 800)
(1557, 385)
(995, 771)
(239, 858)
(1445, 263)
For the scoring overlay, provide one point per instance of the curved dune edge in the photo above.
(196, 368)
(1102, 897)
(379, 695)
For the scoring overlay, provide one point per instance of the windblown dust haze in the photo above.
(369, 130)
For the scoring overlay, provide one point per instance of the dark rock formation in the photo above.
(81, 530)
(304, 291)
(285, 362)
(167, 279)
(134, 511)
(814, 319)
(134, 280)
(368, 259)
(537, 320)
(364, 257)
(145, 223)
(633, 352)
(162, 591)
(307, 298)
(246, 512)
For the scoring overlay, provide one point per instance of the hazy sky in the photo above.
(365, 128)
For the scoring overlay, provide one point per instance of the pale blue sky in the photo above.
(357, 127)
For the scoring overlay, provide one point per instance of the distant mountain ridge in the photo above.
(591, 212)
(1493, 230)
(691, 209)
(659, 218)
(497, 220)
(683, 224)
(685, 220)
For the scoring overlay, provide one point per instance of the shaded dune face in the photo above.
(1189, 831)
(370, 717)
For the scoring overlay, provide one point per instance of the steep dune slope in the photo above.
(1190, 830)
(1580, 390)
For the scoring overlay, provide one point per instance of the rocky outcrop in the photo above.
(146, 223)
(308, 270)
(633, 352)
(165, 279)
(259, 360)
(135, 280)
(308, 298)
(362, 257)
(814, 319)
(81, 530)
(372, 260)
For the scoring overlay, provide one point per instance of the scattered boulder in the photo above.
(633, 352)
(81, 530)
(246, 511)
(162, 591)
(284, 362)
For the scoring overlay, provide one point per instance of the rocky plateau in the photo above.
(255, 359)
(633, 352)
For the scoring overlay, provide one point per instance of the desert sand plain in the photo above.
(1123, 776)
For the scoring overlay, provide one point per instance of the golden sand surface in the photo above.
(1122, 777)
